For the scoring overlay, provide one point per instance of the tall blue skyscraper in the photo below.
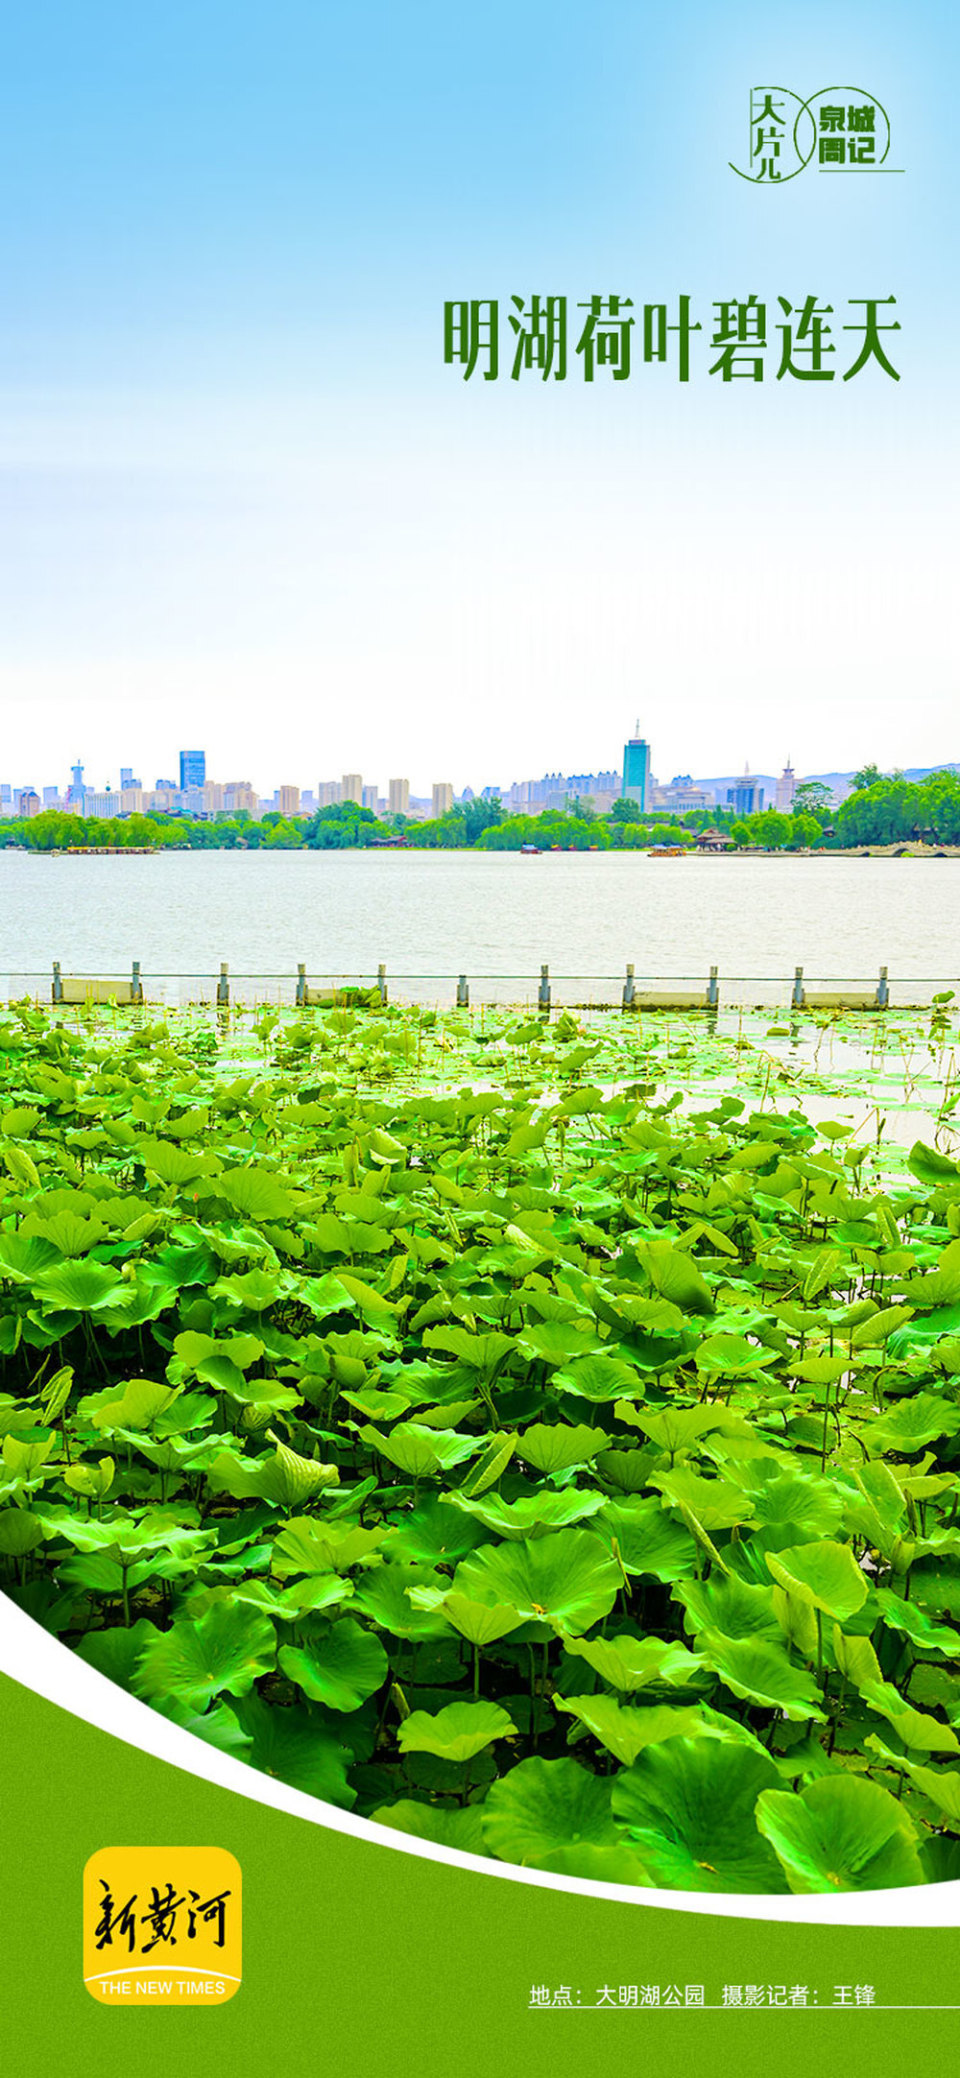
(193, 768)
(636, 770)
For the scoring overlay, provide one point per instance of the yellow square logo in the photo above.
(161, 1926)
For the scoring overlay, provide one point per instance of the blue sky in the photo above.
(243, 503)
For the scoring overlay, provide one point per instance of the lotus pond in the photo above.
(539, 1436)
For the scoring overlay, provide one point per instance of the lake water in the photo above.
(495, 917)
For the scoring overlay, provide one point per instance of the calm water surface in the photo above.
(436, 915)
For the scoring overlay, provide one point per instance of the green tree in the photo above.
(813, 798)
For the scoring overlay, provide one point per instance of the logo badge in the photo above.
(161, 1926)
(837, 130)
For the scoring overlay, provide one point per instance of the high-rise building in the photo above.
(28, 802)
(635, 785)
(351, 788)
(76, 777)
(746, 797)
(288, 800)
(371, 796)
(131, 800)
(442, 797)
(193, 768)
(399, 796)
(329, 792)
(786, 788)
(238, 795)
(127, 776)
(212, 797)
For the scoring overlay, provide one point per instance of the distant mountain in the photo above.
(838, 782)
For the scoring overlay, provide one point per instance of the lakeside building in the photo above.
(746, 797)
(680, 795)
(635, 785)
(238, 795)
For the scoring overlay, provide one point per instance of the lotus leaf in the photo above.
(840, 1833)
(566, 1577)
(689, 1807)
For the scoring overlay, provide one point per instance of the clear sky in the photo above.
(245, 506)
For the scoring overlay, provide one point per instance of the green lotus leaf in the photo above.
(626, 1731)
(689, 1807)
(930, 1166)
(455, 1733)
(676, 1277)
(137, 1405)
(559, 1341)
(716, 1503)
(761, 1672)
(167, 1162)
(20, 1532)
(912, 1424)
(70, 1234)
(222, 1652)
(434, 1534)
(915, 1624)
(446, 1827)
(629, 1663)
(291, 1479)
(117, 1652)
(566, 1577)
(532, 1514)
(855, 1657)
(783, 1497)
(256, 1194)
(558, 1447)
(679, 1428)
(254, 1290)
(872, 1334)
(732, 1356)
(302, 1598)
(93, 1481)
(420, 1452)
(340, 1670)
(940, 1785)
(599, 1378)
(297, 1747)
(541, 1806)
(646, 1539)
(23, 1259)
(729, 1605)
(824, 1574)
(309, 1544)
(481, 1623)
(490, 1466)
(25, 1454)
(840, 1833)
(404, 1599)
(924, 1734)
(79, 1287)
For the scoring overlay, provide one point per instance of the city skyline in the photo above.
(199, 793)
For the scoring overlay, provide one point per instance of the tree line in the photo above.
(881, 809)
